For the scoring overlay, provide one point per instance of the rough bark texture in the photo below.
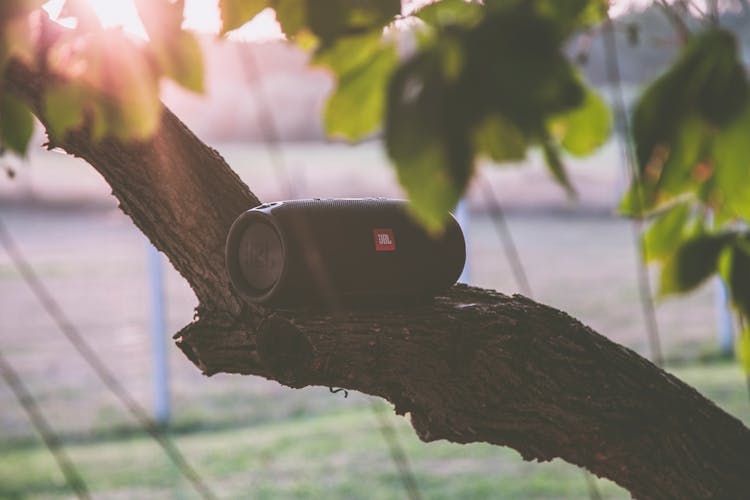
(469, 366)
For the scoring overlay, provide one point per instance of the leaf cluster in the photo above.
(488, 81)
(16, 120)
(104, 80)
(691, 129)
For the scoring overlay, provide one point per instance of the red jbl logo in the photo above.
(384, 240)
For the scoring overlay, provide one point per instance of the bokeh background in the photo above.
(251, 438)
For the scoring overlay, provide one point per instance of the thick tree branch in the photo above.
(472, 365)
(477, 366)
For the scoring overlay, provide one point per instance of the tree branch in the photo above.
(471, 365)
(478, 366)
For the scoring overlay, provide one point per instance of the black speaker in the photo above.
(340, 251)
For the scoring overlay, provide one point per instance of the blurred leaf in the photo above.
(631, 204)
(64, 108)
(81, 10)
(725, 91)
(349, 53)
(573, 14)
(739, 275)
(675, 175)
(426, 139)
(356, 107)
(235, 13)
(731, 156)
(676, 117)
(176, 52)
(666, 232)
(692, 263)
(161, 18)
(330, 19)
(18, 8)
(99, 125)
(291, 15)
(16, 124)
(452, 58)
(557, 168)
(120, 79)
(743, 350)
(489, 88)
(499, 139)
(368, 14)
(16, 37)
(449, 12)
(182, 60)
(513, 65)
(670, 172)
(585, 128)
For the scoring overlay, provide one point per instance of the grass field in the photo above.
(333, 451)
(252, 438)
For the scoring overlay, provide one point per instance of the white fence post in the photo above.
(158, 327)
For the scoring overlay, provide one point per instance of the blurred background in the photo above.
(249, 437)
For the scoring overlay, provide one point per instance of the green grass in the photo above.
(334, 453)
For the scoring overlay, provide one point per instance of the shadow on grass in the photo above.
(125, 432)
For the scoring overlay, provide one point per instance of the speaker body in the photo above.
(339, 251)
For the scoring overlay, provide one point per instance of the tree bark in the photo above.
(471, 365)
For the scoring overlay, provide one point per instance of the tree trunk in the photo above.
(471, 365)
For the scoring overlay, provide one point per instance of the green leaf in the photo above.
(176, 52)
(739, 275)
(16, 124)
(182, 61)
(369, 14)
(631, 204)
(356, 107)
(585, 128)
(331, 19)
(671, 172)
(666, 233)
(677, 174)
(16, 39)
(235, 13)
(427, 140)
(731, 156)
(349, 53)
(525, 76)
(557, 168)
(291, 15)
(573, 14)
(64, 108)
(124, 83)
(499, 139)
(449, 12)
(692, 263)
(707, 84)
(743, 350)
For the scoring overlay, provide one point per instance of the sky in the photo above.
(203, 16)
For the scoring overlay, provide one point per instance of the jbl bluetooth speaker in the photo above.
(339, 251)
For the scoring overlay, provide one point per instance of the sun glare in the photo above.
(200, 15)
(203, 16)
